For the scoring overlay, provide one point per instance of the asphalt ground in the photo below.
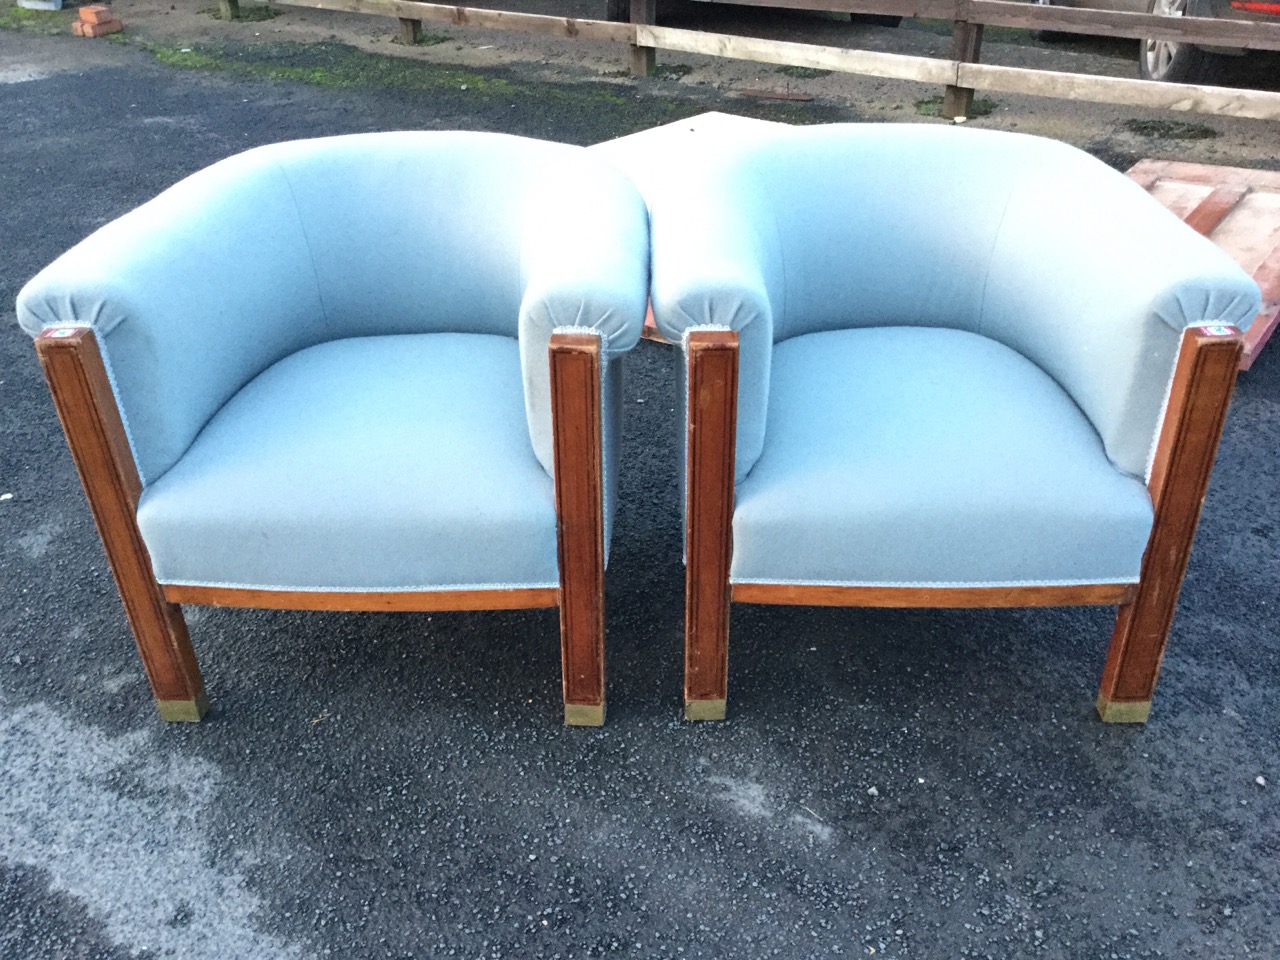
(903, 784)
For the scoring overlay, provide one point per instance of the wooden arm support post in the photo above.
(966, 47)
(579, 488)
(643, 59)
(712, 358)
(95, 432)
(1203, 380)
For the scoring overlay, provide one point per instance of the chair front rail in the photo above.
(579, 492)
(712, 357)
(812, 595)
(525, 598)
(77, 377)
(1203, 381)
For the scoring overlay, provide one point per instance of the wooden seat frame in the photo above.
(77, 377)
(1200, 393)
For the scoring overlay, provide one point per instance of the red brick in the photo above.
(96, 29)
(96, 13)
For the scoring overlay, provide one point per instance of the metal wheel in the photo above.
(1175, 62)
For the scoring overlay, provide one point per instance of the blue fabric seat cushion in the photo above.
(923, 456)
(397, 463)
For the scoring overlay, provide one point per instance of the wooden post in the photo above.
(643, 59)
(82, 394)
(1201, 392)
(229, 9)
(966, 47)
(712, 358)
(579, 491)
(410, 31)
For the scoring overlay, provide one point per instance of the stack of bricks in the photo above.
(96, 20)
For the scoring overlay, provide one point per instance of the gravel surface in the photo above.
(904, 784)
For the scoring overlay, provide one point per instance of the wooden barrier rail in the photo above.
(961, 75)
(1032, 16)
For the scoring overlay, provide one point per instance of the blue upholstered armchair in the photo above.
(970, 368)
(375, 372)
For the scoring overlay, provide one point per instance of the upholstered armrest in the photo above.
(1095, 281)
(712, 269)
(585, 261)
(190, 295)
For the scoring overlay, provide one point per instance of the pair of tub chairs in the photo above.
(924, 367)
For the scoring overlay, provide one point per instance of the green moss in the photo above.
(932, 107)
(328, 65)
(1170, 129)
(48, 22)
(186, 58)
(588, 112)
(803, 73)
(426, 39)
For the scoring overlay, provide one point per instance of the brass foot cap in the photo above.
(704, 709)
(1117, 712)
(184, 711)
(584, 714)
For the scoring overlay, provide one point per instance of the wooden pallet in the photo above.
(1237, 209)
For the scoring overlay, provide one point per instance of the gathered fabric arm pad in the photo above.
(714, 266)
(585, 262)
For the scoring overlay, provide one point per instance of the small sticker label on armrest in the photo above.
(1217, 331)
(59, 333)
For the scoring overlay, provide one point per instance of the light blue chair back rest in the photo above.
(289, 245)
(1022, 239)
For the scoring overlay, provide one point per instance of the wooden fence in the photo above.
(961, 75)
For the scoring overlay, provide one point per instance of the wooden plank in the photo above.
(1251, 104)
(864, 62)
(1257, 35)
(712, 358)
(1205, 173)
(82, 395)
(643, 58)
(773, 95)
(410, 31)
(1267, 276)
(579, 489)
(565, 27)
(1211, 211)
(1101, 594)
(966, 47)
(1248, 229)
(1220, 101)
(1136, 26)
(365, 601)
(1203, 380)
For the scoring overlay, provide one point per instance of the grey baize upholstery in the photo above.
(331, 355)
(955, 346)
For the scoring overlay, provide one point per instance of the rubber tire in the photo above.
(619, 11)
(1190, 64)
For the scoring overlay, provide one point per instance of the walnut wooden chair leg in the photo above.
(1200, 394)
(82, 394)
(579, 486)
(712, 357)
